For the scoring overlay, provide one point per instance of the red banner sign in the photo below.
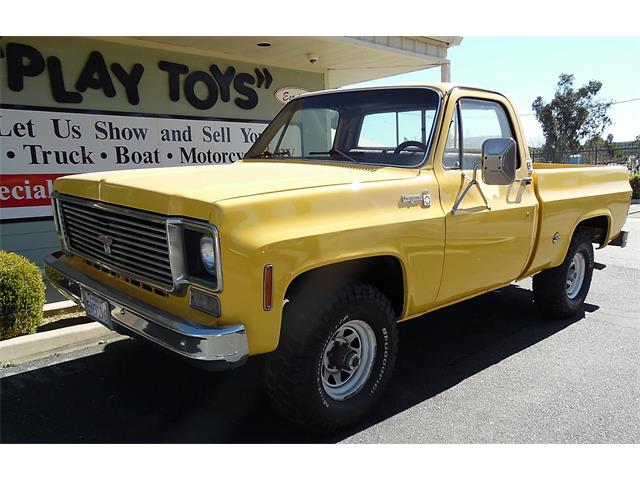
(27, 189)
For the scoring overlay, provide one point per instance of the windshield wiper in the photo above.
(277, 154)
(333, 152)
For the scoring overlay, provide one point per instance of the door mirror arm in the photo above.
(472, 182)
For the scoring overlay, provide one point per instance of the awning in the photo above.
(342, 60)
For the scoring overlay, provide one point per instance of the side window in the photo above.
(479, 120)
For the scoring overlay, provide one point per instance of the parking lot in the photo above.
(488, 370)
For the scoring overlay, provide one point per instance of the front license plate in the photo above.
(97, 308)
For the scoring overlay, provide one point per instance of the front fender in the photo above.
(296, 232)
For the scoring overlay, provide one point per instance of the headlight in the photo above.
(207, 254)
(194, 249)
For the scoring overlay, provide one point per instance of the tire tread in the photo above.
(549, 286)
(285, 376)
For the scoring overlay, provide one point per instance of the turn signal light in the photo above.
(267, 296)
(204, 302)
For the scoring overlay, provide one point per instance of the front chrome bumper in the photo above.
(215, 348)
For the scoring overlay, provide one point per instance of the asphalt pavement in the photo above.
(491, 369)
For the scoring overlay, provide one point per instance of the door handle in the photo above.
(526, 180)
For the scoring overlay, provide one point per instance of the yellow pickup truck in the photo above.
(353, 211)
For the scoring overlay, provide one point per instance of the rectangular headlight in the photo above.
(194, 250)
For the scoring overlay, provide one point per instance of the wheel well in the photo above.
(598, 228)
(383, 272)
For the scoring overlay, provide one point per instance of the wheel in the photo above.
(335, 358)
(561, 291)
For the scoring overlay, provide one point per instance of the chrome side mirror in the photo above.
(499, 161)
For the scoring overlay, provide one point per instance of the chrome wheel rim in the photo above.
(348, 358)
(575, 275)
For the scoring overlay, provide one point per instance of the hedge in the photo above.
(21, 296)
(634, 180)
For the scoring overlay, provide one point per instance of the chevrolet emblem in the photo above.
(106, 243)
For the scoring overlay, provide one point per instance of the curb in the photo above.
(38, 345)
(57, 308)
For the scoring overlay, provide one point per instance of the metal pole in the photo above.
(445, 72)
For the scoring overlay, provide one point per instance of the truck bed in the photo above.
(570, 194)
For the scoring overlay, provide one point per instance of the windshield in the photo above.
(391, 126)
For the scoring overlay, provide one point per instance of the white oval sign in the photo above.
(286, 94)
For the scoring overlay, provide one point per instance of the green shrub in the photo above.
(21, 296)
(634, 180)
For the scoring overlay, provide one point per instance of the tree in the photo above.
(607, 148)
(572, 115)
(595, 143)
(612, 149)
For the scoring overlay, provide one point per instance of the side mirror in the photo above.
(499, 161)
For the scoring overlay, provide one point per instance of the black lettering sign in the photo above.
(202, 89)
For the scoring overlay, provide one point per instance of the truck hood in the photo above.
(190, 191)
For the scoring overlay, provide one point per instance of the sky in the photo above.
(525, 67)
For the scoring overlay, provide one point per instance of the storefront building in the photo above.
(74, 105)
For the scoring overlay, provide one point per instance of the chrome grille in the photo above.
(126, 240)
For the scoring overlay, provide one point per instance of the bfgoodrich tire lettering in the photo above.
(294, 373)
(554, 292)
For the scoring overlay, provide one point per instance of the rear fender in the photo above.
(564, 247)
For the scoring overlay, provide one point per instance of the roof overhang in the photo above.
(342, 60)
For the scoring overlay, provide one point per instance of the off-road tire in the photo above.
(550, 286)
(293, 372)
